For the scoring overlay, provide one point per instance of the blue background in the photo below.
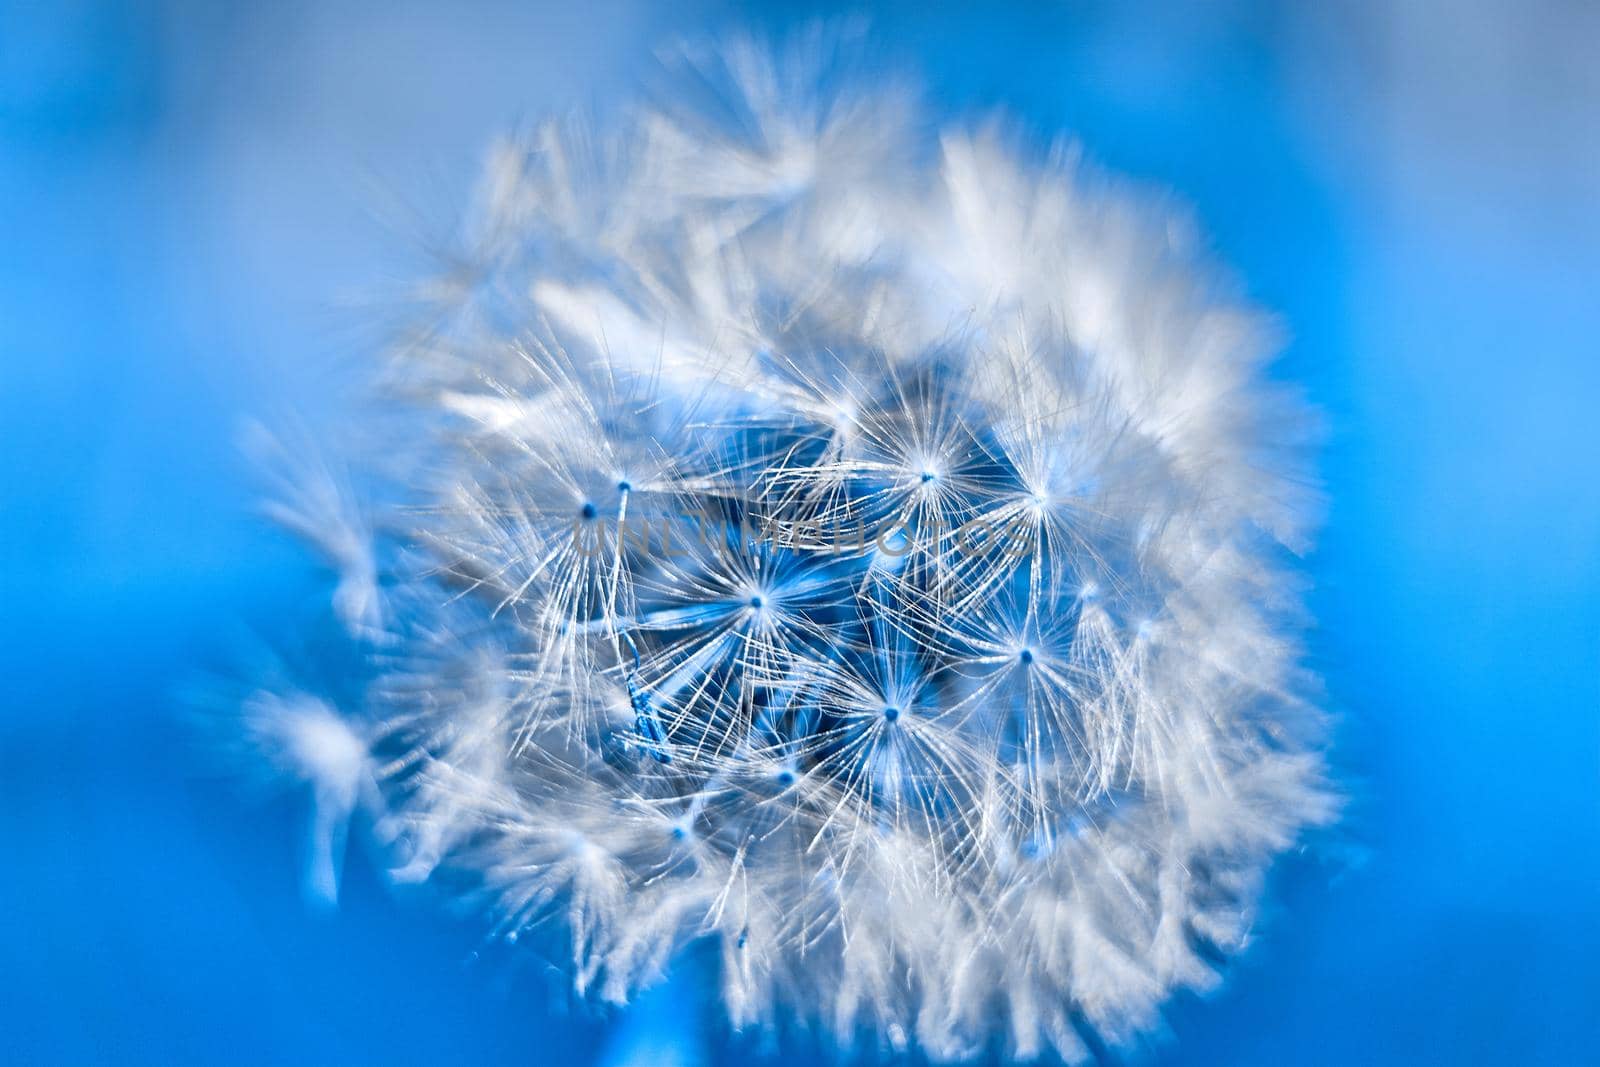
(188, 229)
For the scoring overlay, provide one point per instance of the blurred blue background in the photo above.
(187, 218)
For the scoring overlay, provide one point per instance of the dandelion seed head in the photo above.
(858, 545)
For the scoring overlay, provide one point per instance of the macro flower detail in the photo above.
(862, 546)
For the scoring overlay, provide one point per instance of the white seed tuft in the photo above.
(860, 546)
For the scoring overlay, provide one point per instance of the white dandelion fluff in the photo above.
(860, 547)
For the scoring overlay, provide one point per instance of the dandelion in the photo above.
(858, 546)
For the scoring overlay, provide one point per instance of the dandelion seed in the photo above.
(956, 696)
